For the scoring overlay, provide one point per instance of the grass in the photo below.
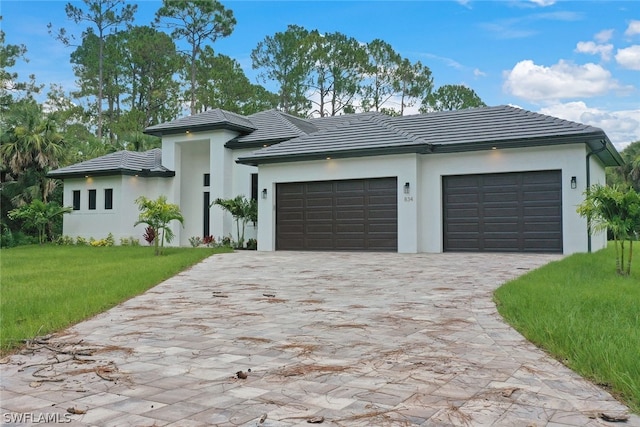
(48, 288)
(584, 315)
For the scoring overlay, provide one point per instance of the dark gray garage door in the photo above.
(359, 214)
(506, 212)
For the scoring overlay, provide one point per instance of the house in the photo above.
(485, 179)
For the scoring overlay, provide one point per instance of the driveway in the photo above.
(347, 339)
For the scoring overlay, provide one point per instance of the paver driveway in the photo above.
(359, 339)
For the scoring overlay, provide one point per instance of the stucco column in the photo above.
(221, 183)
(408, 205)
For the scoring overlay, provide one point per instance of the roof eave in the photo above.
(591, 139)
(234, 144)
(160, 132)
(336, 154)
(113, 172)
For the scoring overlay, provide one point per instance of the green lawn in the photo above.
(48, 288)
(585, 315)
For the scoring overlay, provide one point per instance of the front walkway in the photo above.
(348, 339)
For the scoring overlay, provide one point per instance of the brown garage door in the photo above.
(358, 214)
(506, 212)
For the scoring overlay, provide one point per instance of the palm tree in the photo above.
(157, 214)
(242, 210)
(609, 208)
(39, 215)
(31, 144)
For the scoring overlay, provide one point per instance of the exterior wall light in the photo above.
(264, 193)
(574, 183)
(407, 188)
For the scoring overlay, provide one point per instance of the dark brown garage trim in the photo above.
(503, 212)
(350, 215)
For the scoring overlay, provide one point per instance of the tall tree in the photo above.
(451, 97)
(31, 146)
(627, 175)
(223, 84)
(151, 61)
(413, 83)
(337, 65)
(380, 75)
(104, 15)
(283, 58)
(87, 70)
(196, 21)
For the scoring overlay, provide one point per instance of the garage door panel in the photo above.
(382, 228)
(349, 185)
(388, 184)
(339, 215)
(293, 189)
(350, 200)
(350, 214)
(543, 211)
(514, 212)
(316, 228)
(382, 200)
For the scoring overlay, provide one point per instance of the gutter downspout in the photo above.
(591, 153)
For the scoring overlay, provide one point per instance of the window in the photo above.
(92, 199)
(207, 179)
(76, 200)
(254, 186)
(206, 225)
(108, 198)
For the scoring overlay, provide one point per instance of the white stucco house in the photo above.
(484, 179)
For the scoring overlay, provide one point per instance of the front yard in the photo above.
(585, 315)
(48, 288)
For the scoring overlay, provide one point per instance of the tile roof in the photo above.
(147, 163)
(212, 119)
(489, 124)
(274, 125)
(449, 131)
(356, 132)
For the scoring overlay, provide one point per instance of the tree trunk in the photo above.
(194, 53)
(629, 259)
(615, 243)
(100, 83)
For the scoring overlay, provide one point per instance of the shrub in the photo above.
(227, 241)
(252, 244)
(195, 241)
(6, 237)
(210, 241)
(65, 241)
(81, 241)
(149, 235)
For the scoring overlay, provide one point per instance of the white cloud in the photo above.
(513, 28)
(448, 61)
(629, 57)
(622, 127)
(604, 50)
(560, 81)
(479, 73)
(633, 28)
(543, 3)
(604, 36)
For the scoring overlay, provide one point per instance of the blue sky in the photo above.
(577, 60)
